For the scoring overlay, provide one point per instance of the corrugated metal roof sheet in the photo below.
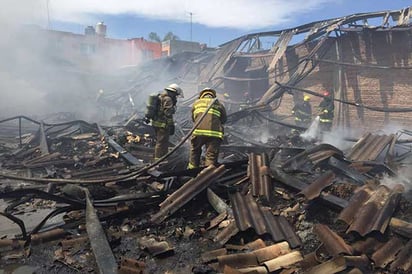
(332, 242)
(393, 254)
(189, 190)
(369, 147)
(371, 209)
(259, 174)
(387, 253)
(313, 190)
(403, 261)
(248, 214)
(313, 155)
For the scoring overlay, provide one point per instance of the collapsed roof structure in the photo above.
(276, 204)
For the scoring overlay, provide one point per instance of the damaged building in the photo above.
(86, 196)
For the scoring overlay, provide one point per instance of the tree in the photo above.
(153, 36)
(170, 36)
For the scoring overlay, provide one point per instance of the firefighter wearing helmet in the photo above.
(326, 111)
(303, 112)
(209, 132)
(162, 121)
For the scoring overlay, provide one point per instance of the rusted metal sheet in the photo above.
(271, 252)
(332, 266)
(238, 260)
(371, 212)
(369, 147)
(187, 192)
(255, 258)
(217, 220)
(283, 261)
(10, 244)
(51, 235)
(226, 233)
(213, 254)
(131, 266)
(357, 200)
(347, 170)
(403, 261)
(332, 242)
(259, 174)
(367, 246)
(313, 190)
(387, 253)
(297, 184)
(248, 214)
(257, 244)
(250, 270)
(312, 155)
(155, 247)
(69, 243)
(401, 227)
(101, 249)
(361, 261)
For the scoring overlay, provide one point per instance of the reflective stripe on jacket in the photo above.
(326, 110)
(212, 124)
(302, 112)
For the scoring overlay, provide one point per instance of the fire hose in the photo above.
(132, 175)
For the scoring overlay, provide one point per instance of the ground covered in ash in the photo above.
(125, 205)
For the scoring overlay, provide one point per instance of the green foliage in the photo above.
(153, 36)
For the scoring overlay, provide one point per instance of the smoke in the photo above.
(313, 132)
(336, 137)
(44, 72)
(404, 177)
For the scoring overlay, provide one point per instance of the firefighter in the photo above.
(326, 112)
(210, 130)
(303, 112)
(163, 123)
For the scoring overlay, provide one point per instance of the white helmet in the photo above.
(176, 89)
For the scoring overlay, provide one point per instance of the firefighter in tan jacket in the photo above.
(210, 130)
(163, 122)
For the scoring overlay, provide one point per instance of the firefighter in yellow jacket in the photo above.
(210, 130)
(163, 122)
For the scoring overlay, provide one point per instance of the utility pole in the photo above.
(191, 14)
(48, 14)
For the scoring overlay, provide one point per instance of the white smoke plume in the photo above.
(404, 177)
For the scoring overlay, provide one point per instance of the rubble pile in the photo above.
(281, 205)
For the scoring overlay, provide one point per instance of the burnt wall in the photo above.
(376, 79)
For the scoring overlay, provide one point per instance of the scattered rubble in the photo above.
(87, 197)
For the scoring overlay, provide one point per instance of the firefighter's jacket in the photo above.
(167, 107)
(212, 123)
(326, 110)
(302, 112)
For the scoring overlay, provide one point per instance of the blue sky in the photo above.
(214, 21)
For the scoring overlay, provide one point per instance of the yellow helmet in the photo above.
(306, 98)
(207, 91)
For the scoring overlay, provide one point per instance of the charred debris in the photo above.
(86, 197)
